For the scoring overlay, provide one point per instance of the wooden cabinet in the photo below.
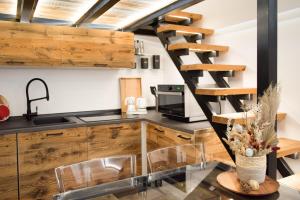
(58, 46)
(8, 167)
(115, 139)
(214, 148)
(41, 152)
(160, 137)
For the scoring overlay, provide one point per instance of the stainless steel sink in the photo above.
(51, 120)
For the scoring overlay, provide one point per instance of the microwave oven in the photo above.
(177, 102)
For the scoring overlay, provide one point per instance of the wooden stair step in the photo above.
(288, 147)
(195, 47)
(212, 67)
(292, 181)
(184, 30)
(225, 91)
(178, 16)
(239, 117)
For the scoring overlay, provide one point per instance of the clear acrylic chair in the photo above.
(176, 156)
(95, 171)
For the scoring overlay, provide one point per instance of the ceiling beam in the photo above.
(96, 11)
(19, 10)
(25, 10)
(7, 17)
(149, 19)
(145, 32)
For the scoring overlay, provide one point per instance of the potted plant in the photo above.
(253, 139)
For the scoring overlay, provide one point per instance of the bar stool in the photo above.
(176, 157)
(95, 172)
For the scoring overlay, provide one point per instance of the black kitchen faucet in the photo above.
(29, 114)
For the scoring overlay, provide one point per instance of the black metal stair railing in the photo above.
(191, 83)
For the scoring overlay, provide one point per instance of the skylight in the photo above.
(8, 7)
(62, 9)
(127, 12)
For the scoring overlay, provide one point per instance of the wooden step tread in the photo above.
(213, 67)
(198, 47)
(225, 91)
(238, 117)
(184, 30)
(292, 181)
(177, 16)
(287, 147)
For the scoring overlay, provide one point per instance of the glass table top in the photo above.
(189, 183)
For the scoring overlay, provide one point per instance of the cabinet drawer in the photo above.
(114, 140)
(160, 137)
(41, 152)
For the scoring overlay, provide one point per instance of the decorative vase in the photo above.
(251, 168)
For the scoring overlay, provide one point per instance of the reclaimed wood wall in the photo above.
(38, 45)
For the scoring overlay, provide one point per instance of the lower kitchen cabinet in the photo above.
(214, 148)
(41, 152)
(8, 167)
(160, 137)
(114, 140)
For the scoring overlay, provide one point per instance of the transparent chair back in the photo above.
(94, 172)
(176, 156)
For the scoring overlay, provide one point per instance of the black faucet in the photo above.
(29, 114)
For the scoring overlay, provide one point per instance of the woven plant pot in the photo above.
(251, 168)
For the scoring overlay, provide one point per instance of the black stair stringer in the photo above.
(220, 129)
(220, 81)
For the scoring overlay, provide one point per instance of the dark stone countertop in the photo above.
(20, 124)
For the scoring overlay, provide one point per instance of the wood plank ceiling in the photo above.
(8, 7)
(104, 14)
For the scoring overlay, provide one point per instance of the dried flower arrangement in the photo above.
(256, 136)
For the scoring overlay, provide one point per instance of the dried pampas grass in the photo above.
(257, 134)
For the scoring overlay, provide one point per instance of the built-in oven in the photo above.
(177, 102)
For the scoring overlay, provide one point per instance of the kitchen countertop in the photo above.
(20, 124)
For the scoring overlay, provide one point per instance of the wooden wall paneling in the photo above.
(58, 46)
(41, 152)
(114, 140)
(8, 167)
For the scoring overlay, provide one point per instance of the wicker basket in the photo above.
(251, 168)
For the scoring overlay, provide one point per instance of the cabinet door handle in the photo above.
(100, 65)
(15, 62)
(54, 134)
(183, 137)
(161, 131)
(116, 127)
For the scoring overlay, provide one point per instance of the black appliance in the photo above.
(177, 102)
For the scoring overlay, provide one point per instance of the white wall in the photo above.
(79, 89)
